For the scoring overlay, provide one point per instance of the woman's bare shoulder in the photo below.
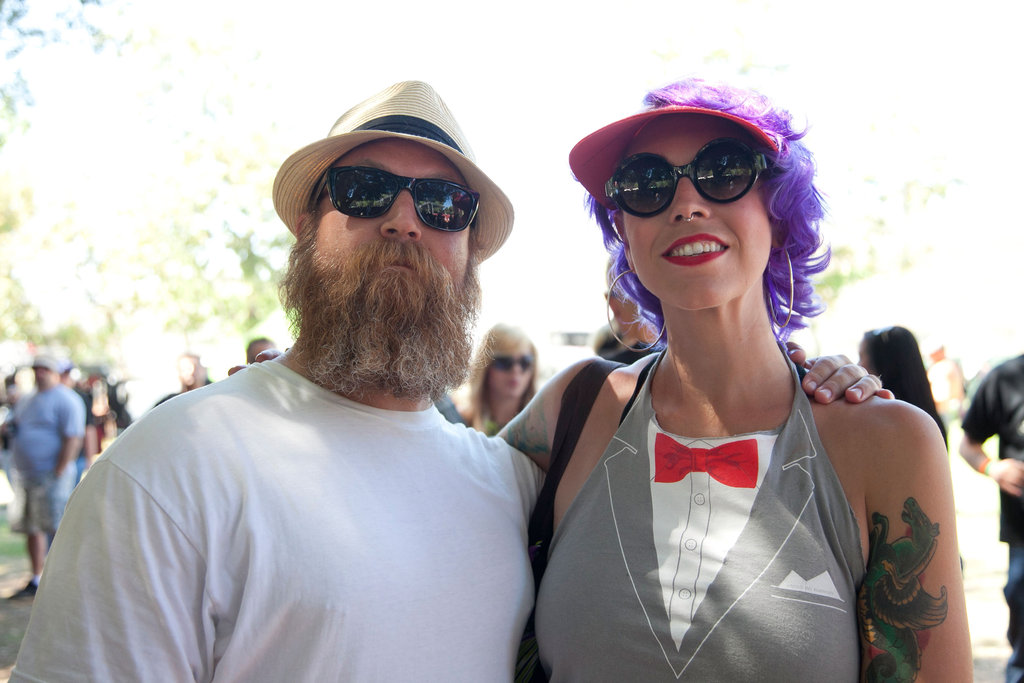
(876, 445)
(878, 424)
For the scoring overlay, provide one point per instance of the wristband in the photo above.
(983, 468)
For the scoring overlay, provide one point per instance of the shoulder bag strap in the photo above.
(577, 401)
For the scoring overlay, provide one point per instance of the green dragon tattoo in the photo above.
(891, 602)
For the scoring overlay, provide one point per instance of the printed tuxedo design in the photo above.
(735, 591)
(702, 491)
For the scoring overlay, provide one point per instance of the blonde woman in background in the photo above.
(503, 379)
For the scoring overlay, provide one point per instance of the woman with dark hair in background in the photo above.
(894, 355)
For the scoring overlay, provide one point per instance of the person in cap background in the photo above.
(313, 517)
(48, 430)
(721, 527)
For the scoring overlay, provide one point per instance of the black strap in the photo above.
(636, 390)
(577, 400)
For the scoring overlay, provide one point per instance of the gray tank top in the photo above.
(781, 607)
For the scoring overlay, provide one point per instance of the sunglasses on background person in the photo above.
(363, 192)
(506, 363)
(723, 171)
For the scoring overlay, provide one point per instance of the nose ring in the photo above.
(689, 218)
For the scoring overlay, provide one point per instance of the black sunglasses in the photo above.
(506, 363)
(723, 171)
(364, 192)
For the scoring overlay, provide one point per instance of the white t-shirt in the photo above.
(263, 529)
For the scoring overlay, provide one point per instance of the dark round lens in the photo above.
(724, 171)
(646, 184)
(443, 205)
(363, 192)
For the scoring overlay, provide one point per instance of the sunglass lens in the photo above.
(506, 363)
(362, 192)
(725, 171)
(443, 205)
(646, 185)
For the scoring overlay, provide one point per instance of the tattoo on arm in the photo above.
(527, 432)
(892, 606)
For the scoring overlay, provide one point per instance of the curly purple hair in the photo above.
(795, 207)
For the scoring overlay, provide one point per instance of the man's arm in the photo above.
(69, 448)
(832, 377)
(122, 599)
(1009, 474)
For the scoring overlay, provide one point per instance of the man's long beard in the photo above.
(368, 325)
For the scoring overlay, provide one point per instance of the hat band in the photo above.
(410, 125)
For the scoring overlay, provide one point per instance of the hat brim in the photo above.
(594, 158)
(300, 173)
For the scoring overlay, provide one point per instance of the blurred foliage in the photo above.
(20, 30)
(196, 252)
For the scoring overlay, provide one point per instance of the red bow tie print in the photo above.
(733, 464)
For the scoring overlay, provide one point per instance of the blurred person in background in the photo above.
(949, 387)
(894, 355)
(12, 392)
(626, 338)
(49, 427)
(192, 374)
(503, 379)
(997, 409)
(91, 442)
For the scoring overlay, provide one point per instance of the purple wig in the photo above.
(795, 207)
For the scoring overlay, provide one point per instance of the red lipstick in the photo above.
(694, 250)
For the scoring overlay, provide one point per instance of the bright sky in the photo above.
(891, 90)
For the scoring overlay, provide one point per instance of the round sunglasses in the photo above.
(364, 192)
(506, 363)
(723, 171)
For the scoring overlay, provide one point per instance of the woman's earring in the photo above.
(611, 325)
(771, 307)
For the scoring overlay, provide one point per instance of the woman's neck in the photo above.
(718, 383)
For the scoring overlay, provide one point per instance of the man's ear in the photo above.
(305, 221)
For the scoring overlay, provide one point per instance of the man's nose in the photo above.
(401, 222)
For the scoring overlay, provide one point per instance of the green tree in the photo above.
(20, 31)
(194, 248)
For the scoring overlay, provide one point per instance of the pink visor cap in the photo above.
(594, 158)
